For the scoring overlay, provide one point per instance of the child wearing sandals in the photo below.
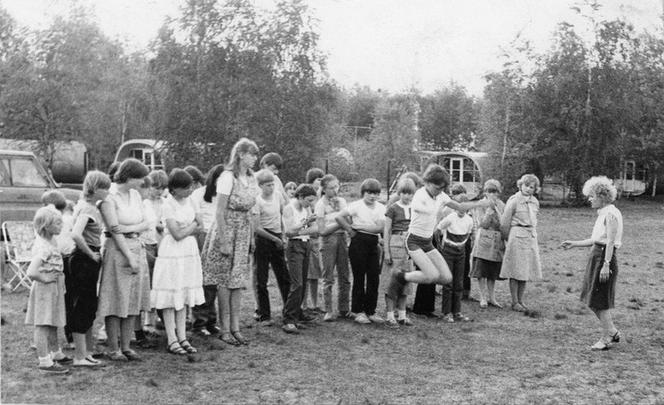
(46, 305)
(456, 228)
(397, 219)
(178, 277)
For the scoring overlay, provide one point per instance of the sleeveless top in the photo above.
(128, 212)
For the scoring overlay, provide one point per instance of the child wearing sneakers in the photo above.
(397, 219)
(46, 305)
(367, 222)
(456, 228)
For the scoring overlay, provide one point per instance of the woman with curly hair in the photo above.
(599, 282)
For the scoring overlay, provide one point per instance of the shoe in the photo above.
(213, 329)
(376, 319)
(64, 360)
(54, 368)
(459, 317)
(347, 315)
(175, 348)
(525, 308)
(392, 323)
(362, 318)
(240, 338)
(89, 363)
(429, 315)
(266, 322)
(202, 331)
(448, 318)
(306, 318)
(495, 304)
(329, 317)
(484, 304)
(228, 338)
(116, 356)
(616, 337)
(290, 328)
(599, 345)
(518, 308)
(132, 355)
(187, 346)
(405, 322)
(301, 326)
(96, 355)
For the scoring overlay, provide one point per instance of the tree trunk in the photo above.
(505, 133)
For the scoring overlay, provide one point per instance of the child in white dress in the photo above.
(178, 277)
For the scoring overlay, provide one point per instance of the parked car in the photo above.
(23, 180)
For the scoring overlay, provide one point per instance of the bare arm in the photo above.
(342, 220)
(506, 218)
(387, 235)
(77, 235)
(107, 209)
(179, 232)
(36, 275)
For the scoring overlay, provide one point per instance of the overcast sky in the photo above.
(385, 44)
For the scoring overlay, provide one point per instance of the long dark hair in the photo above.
(211, 182)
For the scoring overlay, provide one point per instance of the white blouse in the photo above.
(599, 230)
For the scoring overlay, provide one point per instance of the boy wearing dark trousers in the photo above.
(368, 221)
(299, 226)
(269, 245)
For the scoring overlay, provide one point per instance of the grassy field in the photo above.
(499, 357)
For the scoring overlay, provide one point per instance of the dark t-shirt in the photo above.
(400, 218)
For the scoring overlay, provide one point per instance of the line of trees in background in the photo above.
(226, 69)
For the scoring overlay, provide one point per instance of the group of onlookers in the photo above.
(141, 248)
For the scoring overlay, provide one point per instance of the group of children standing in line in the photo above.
(140, 252)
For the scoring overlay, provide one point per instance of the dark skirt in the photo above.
(595, 294)
(83, 277)
(485, 269)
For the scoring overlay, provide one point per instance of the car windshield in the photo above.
(25, 173)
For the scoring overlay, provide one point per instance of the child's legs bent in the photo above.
(427, 273)
(444, 272)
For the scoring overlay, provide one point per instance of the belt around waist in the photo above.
(524, 226)
(400, 233)
(129, 235)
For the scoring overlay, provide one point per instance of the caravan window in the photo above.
(629, 170)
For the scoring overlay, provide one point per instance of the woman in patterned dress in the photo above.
(226, 252)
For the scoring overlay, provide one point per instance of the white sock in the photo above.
(57, 355)
(46, 361)
(390, 315)
(401, 313)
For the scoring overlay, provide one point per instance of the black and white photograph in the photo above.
(332, 201)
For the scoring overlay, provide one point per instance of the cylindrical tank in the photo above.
(70, 160)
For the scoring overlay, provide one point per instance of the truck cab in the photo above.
(23, 180)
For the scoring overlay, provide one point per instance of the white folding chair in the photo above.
(19, 237)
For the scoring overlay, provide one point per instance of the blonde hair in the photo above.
(492, 184)
(45, 217)
(94, 181)
(264, 176)
(529, 179)
(602, 187)
(243, 145)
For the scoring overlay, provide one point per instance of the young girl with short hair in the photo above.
(456, 228)
(85, 264)
(367, 217)
(334, 247)
(178, 278)
(518, 224)
(397, 219)
(46, 305)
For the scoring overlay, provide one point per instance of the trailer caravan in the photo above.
(633, 179)
(464, 167)
(148, 151)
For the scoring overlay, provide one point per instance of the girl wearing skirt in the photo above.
(178, 277)
(521, 262)
(599, 282)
